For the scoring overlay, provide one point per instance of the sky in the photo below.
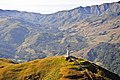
(48, 6)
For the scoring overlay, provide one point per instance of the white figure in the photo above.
(68, 52)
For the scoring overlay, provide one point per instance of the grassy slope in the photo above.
(52, 68)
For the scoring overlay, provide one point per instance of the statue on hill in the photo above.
(68, 51)
(68, 57)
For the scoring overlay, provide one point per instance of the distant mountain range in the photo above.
(93, 33)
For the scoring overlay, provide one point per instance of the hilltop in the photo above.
(93, 33)
(54, 68)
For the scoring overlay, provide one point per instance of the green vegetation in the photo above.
(108, 55)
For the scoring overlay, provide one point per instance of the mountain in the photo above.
(93, 33)
(54, 68)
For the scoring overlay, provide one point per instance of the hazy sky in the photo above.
(47, 6)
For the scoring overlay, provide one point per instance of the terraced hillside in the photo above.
(54, 68)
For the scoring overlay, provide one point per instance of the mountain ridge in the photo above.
(27, 36)
(58, 11)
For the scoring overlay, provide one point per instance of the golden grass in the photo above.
(52, 68)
